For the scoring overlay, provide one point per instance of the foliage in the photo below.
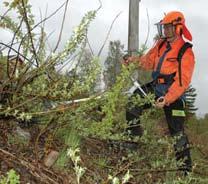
(113, 62)
(11, 178)
(76, 159)
(40, 91)
(190, 99)
(125, 179)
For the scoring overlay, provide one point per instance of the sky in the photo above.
(195, 12)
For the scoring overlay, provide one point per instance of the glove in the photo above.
(127, 59)
(161, 102)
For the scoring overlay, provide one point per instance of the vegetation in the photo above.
(11, 178)
(113, 62)
(90, 135)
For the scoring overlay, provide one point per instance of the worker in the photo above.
(172, 61)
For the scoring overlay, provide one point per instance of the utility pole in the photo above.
(133, 32)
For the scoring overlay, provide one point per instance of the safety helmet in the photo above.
(177, 19)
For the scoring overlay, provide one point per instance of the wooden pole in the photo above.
(133, 32)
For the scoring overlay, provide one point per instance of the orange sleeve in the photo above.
(147, 61)
(187, 67)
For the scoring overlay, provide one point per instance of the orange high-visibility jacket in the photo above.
(170, 65)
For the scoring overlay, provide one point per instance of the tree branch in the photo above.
(148, 28)
(62, 26)
(29, 32)
(108, 34)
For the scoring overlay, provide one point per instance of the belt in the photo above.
(164, 81)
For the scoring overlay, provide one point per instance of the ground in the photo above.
(100, 158)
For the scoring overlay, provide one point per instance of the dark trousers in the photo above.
(133, 113)
(175, 117)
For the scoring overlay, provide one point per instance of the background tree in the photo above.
(83, 68)
(190, 100)
(112, 63)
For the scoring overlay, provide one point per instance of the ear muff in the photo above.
(179, 29)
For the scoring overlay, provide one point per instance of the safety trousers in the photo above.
(175, 117)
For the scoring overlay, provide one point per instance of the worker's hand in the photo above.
(127, 59)
(160, 102)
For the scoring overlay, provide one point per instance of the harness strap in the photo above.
(179, 58)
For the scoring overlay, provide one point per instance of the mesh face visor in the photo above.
(160, 30)
(169, 30)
